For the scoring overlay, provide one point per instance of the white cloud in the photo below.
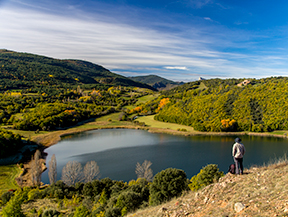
(199, 3)
(134, 48)
(176, 67)
(208, 18)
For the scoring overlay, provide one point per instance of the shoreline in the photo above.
(46, 140)
(49, 139)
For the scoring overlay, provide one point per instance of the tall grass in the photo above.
(276, 161)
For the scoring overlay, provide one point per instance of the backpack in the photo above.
(232, 169)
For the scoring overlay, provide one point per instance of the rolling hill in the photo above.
(23, 70)
(157, 82)
(216, 105)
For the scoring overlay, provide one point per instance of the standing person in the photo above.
(238, 152)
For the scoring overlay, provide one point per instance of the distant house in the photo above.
(200, 78)
(244, 83)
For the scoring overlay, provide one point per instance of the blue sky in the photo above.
(179, 40)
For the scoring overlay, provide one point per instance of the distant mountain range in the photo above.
(157, 82)
(23, 70)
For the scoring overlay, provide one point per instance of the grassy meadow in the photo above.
(150, 122)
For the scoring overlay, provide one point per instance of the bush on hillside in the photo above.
(50, 213)
(206, 176)
(13, 207)
(167, 184)
(5, 197)
(128, 201)
(113, 212)
(81, 211)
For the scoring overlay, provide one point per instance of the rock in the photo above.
(223, 184)
(162, 209)
(238, 207)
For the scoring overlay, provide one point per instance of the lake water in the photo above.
(117, 151)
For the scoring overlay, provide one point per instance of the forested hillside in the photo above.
(42, 94)
(29, 71)
(229, 105)
(157, 82)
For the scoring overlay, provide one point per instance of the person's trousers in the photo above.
(239, 165)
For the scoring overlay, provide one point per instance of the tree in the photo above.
(52, 173)
(72, 173)
(91, 171)
(167, 184)
(144, 170)
(207, 176)
(35, 167)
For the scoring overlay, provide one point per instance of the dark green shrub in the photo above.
(54, 191)
(60, 184)
(79, 186)
(87, 202)
(100, 210)
(88, 189)
(34, 194)
(50, 213)
(129, 200)
(142, 124)
(5, 197)
(81, 211)
(167, 184)
(140, 186)
(93, 188)
(206, 176)
(113, 212)
(182, 129)
(111, 202)
(13, 207)
(117, 188)
(58, 193)
(107, 183)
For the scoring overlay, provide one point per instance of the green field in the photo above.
(279, 132)
(28, 134)
(8, 173)
(110, 120)
(113, 117)
(147, 98)
(150, 122)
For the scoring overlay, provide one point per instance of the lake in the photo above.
(117, 151)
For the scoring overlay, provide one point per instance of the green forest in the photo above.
(218, 105)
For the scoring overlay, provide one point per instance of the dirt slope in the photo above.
(261, 191)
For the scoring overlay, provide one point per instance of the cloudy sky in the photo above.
(180, 40)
